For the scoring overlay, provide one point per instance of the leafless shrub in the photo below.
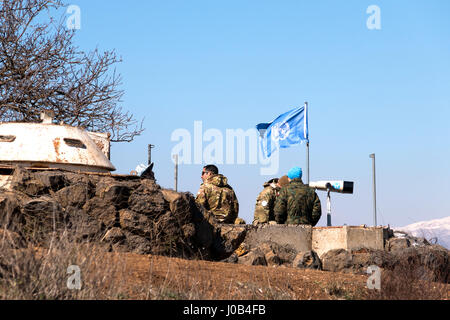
(41, 69)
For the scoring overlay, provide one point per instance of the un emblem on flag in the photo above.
(281, 131)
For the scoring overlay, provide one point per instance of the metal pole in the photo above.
(329, 207)
(307, 148)
(307, 163)
(372, 156)
(150, 147)
(176, 173)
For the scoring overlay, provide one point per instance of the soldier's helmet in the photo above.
(295, 173)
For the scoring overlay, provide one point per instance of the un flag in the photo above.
(289, 129)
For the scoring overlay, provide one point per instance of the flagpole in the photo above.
(307, 161)
(307, 145)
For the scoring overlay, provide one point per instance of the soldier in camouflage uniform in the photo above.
(217, 196)
(297, 203)
(265, 202)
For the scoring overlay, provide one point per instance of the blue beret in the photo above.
(295, 173)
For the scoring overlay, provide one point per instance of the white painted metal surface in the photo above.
(46, 145)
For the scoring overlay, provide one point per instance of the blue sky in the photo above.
(233, 64)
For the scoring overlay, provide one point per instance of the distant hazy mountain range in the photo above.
(434, 229)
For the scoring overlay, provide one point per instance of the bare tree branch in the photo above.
(41, 69)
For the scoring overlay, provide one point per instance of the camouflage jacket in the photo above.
(219, 198)
(265, 203)
(297, 204)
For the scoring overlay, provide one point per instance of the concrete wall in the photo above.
(325, 239)
(370, 238)
(349, 238)
(298, 237)
(320, 240)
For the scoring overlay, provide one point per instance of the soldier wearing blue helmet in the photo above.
(297, 203)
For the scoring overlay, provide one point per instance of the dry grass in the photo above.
(173, 278)
(33, 274)
(409, 282)
(42, 273)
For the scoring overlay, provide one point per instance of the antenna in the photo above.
(372, 156)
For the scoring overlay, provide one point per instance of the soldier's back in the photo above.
(219, 198)
(265, 204)
(298, 204)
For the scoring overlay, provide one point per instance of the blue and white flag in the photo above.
(289, 129)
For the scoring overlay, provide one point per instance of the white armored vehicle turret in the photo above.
(50, 146)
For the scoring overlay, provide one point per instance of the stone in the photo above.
(307, 260)
(79, 178)
(242, 250)
(139, 245)
(285, 252)
(84, 226)
(254, 258)
(152, 205)
(231, 237)
(336, 260)
(266, 247)
(10, 214)
(148, 187)
(102, 211)
(231, 259)
(363, 258)
(181, 204)
(42, 216)
(26, 182)
(114, 235)
(395, 244)
(52, 180)
(74, 195)
(116, 194)
(170, 196)
(43, 206)
(134, 222)
(272, 259)
(380, 258)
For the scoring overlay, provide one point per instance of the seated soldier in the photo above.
(265, 202)
(217, 196)
(297, 203)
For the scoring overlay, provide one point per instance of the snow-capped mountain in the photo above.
(434, 229)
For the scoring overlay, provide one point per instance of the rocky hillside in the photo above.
(126, 213)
